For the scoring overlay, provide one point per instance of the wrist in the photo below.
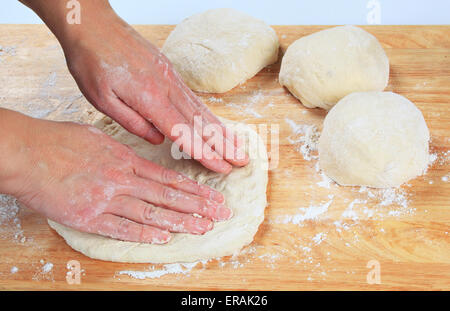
(15, 150)
(56, 14)
(96, 17)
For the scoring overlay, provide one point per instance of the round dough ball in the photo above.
(218, 49)
(375, 139)
(322, 68)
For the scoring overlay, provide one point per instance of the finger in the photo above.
(148, 214)
(225, 145)
(212, 119)
(171, 178)
(132, 121)
(230, 135)
(180, 201)
(192, 108)
(126, 230)
(189, 141)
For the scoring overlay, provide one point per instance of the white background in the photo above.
(275, 12)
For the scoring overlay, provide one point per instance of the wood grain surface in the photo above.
(408, 237)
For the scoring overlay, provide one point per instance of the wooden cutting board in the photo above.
(315, 236)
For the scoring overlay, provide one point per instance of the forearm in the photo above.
(16, 135)
(54, 13)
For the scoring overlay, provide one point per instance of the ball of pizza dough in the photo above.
(322, 68)
(375, 139)
(218, 49)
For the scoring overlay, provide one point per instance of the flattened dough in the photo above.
(244, 190)
(216, 50)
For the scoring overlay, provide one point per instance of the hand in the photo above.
(127, 78)
(78, 176)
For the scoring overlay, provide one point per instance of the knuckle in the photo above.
(168, 176)
(136, 125)
(142, 233)
(147, 112)
(168, 195)
(203, 205)
(114, 173)
(125, 152)
(124, 227)
(148, 212)
(197, 187)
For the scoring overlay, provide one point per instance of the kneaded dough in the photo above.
(322, 68)
(244, 190)
(218, 49)
(375, 139)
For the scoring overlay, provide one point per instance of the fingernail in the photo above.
(223, 213)
(205, 191)
(154, 136)
(239, 141)
(202, 226)
(211, 194)
(199, 225)
(210, 226)
(216, 196)
(226, 169)
(165, 237)
(241, 158)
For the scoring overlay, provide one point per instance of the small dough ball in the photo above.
(375, 139)
(218, 49)
(322, 68)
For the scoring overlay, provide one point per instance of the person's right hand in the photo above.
(80, 177)
(130, 80)
(127, 78)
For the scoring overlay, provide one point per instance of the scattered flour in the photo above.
(40, 111)
(10, 225)
(44, 271)
(349, 212)
(247, 108)
(215, 99)
(311, 213)
(305, 138)
(47, 267)
(7, 51)
(176, 268)
(319, 238)
(69, 109)
(433, 158)
(48, 83)
(393, 196)
(49, 103)
(270, 258)
(326, 181)
(154, 273)
(439, 158)
(14, 270)
(377, 204)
